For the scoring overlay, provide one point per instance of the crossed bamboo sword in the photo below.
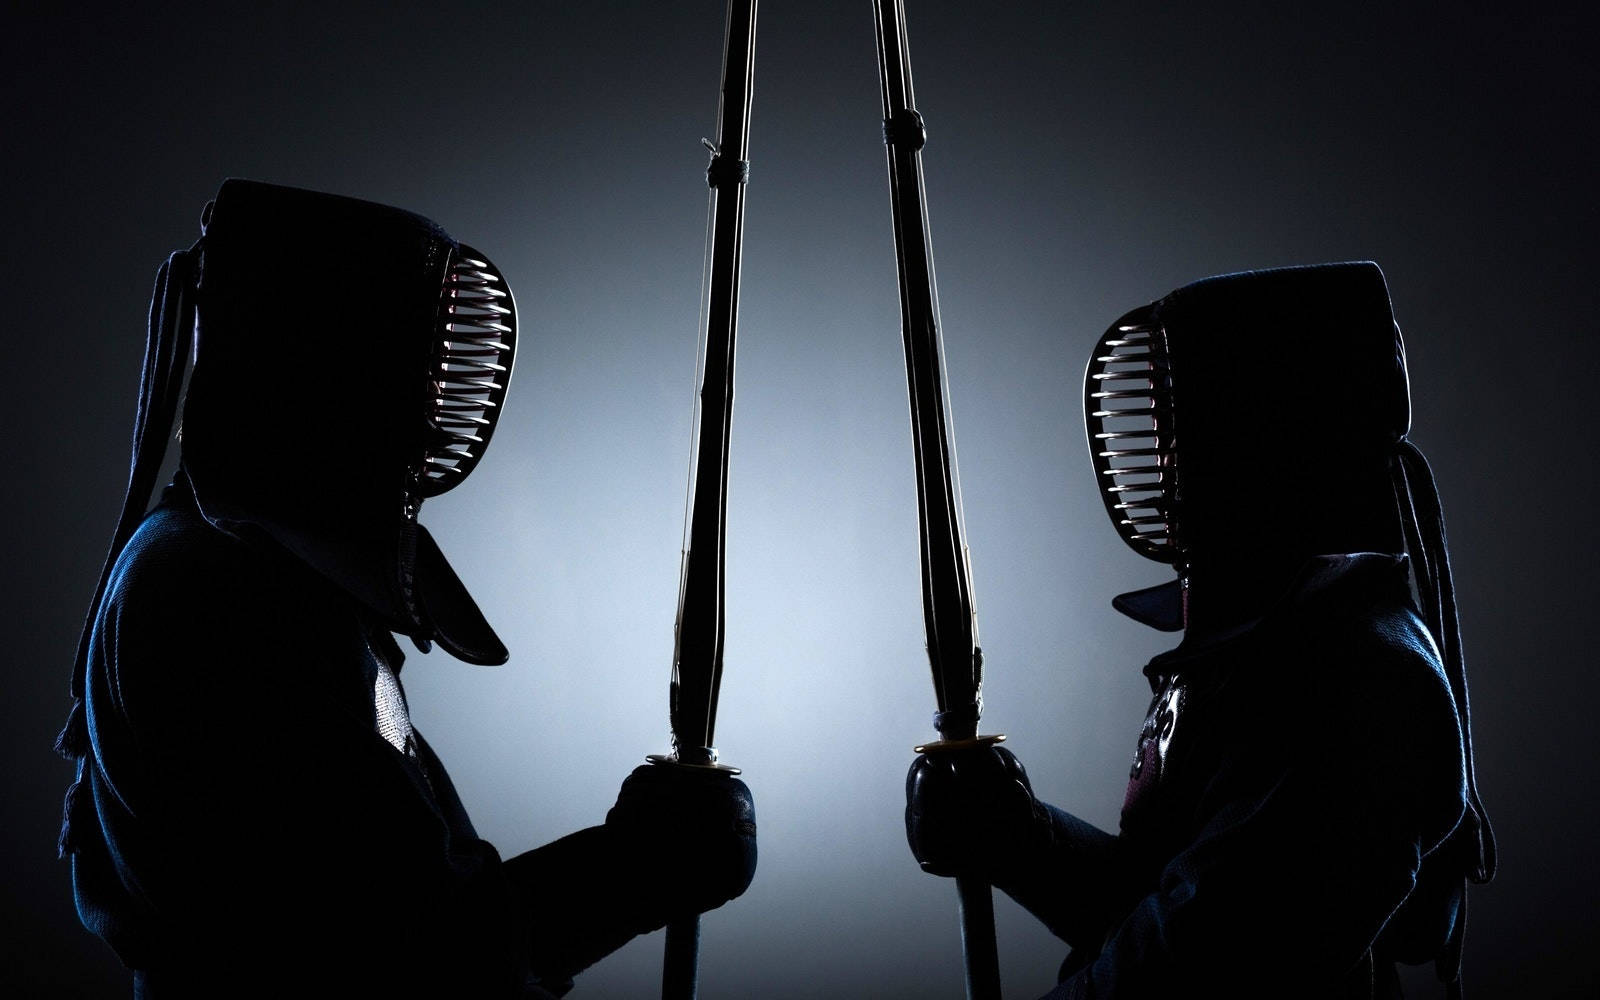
(951, 624)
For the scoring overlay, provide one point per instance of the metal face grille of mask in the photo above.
(1128, 409)
(470, 369)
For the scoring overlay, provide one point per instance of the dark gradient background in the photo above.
(1083, 159)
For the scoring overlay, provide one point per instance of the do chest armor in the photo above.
(1154, 751)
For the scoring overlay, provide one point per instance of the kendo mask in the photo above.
(350, 361)
(1246, 422)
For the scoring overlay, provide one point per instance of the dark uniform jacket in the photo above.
(1287, 827)
(243, 827)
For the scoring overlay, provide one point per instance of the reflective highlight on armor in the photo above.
(389, 706)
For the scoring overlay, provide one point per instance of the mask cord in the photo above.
(166, 356)
(1440, 586)
(1422, 518)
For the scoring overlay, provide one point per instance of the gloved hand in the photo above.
(973, 812)
(695, 828)
(678, 842)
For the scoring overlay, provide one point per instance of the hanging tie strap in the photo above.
(1422, 518)
(166, 356)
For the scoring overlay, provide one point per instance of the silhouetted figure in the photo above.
(1301, 812)
(254, 813)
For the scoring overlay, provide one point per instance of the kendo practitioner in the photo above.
(1301, 812)
(254, 813)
